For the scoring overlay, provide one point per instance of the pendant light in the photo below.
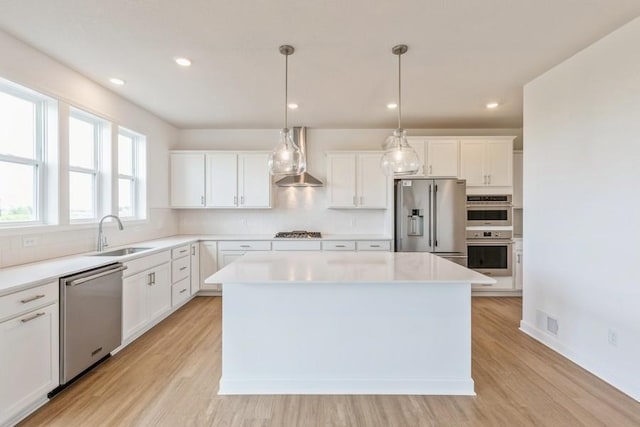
(399, 157)
(286, 158)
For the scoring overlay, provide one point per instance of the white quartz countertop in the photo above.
(370, 267)
(17, 278)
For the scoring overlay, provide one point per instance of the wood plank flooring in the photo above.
(169, 377)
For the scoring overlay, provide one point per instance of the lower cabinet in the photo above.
(146, 296)
(208, 265)
(29, 361)
(517, 265)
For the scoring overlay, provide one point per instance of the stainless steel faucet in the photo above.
(102, 239)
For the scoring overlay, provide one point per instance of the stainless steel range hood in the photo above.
(299, 135)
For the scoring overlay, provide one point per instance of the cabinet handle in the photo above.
(361, 200)
(33, 298)
(235, 200)
(489, 178)
(339, 246)
(29, 319)
(154, 277)
(183, 291)
(150, 282)
(183, 251)
(242, 200)
(193, 250)
(430, 169)
(245, 246)
(183, 268)
(202, 200)
(375, 246)
(519, 259)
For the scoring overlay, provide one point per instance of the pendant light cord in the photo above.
(286, 87)
(399, 90)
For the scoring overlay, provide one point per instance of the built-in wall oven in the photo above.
(489, 252)
(489, 210)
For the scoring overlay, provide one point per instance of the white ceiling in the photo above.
(462, 54)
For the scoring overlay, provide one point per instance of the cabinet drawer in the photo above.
(19, 302)
(180, 251)
(145, 263)
(339, 245)
(259, 245)
(374, 245)
(180, 292)
(180, 269)
(297, 246)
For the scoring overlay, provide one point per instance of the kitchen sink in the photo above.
(121, 252)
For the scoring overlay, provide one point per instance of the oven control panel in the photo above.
(489, 234)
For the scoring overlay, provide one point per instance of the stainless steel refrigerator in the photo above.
(430, 216)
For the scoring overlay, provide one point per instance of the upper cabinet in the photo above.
(438, 156)
(355, 181)
(220, 179)
(487, 163)
(187, 180)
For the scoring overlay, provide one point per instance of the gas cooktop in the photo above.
(298, 234)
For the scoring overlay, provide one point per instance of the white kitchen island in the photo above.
(346, 323)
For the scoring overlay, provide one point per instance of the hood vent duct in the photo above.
(299, 135)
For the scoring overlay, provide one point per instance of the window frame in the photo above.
(98, 142)
(136, 140)
(38, 162)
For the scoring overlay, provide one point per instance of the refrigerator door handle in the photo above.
(430, 214)
(435, 216)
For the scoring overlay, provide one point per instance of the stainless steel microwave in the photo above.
(489, 210)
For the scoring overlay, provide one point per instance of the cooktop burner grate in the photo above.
(298, 234)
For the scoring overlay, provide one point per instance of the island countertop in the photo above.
(370, 267)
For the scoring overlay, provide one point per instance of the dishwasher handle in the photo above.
(95, 276)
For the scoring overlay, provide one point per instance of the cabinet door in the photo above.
(208, 264)
(222, 180)
(254, 180)
(227, 257)
(29, 359)
(195, 268)
(499, 163)
(472, 163)
(442, 158)
(372, 182)
(187, 180)
(518, 269)
(134, 303)
(341, 180)
(419, 146)
(159, 293)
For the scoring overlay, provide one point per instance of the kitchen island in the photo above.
(346, 323)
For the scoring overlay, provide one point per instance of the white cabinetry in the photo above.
(238, 180)
(180, 275)
(487, 163)
(356, 180)
(229, 251)
(29, 357)
(438, 156)
(187, 180)
(146, 295)
(195, 268)
(517, 264)
(208, 265)
(220, 179)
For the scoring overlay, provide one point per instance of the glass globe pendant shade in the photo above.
(399, 157)
(286, 158)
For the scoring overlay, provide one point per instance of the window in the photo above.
(22, 128)
(131, 167)
(85, 144)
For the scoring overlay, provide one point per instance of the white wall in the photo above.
(29, 67)
(296, 208)
(582, 211)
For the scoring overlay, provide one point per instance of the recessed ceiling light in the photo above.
(183, 62)
(492, 105)
(116, 81)
(392, 106)
(292, 106)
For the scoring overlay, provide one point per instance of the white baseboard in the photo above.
(496, 293)
(444, 387)
(584, 362)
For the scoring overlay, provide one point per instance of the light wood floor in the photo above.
(169, 377)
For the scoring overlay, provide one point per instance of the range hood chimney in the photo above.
(299, 135)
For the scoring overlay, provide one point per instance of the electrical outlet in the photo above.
(28, 242)
(613, 338)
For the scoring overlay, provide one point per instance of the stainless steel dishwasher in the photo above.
(90, 319)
